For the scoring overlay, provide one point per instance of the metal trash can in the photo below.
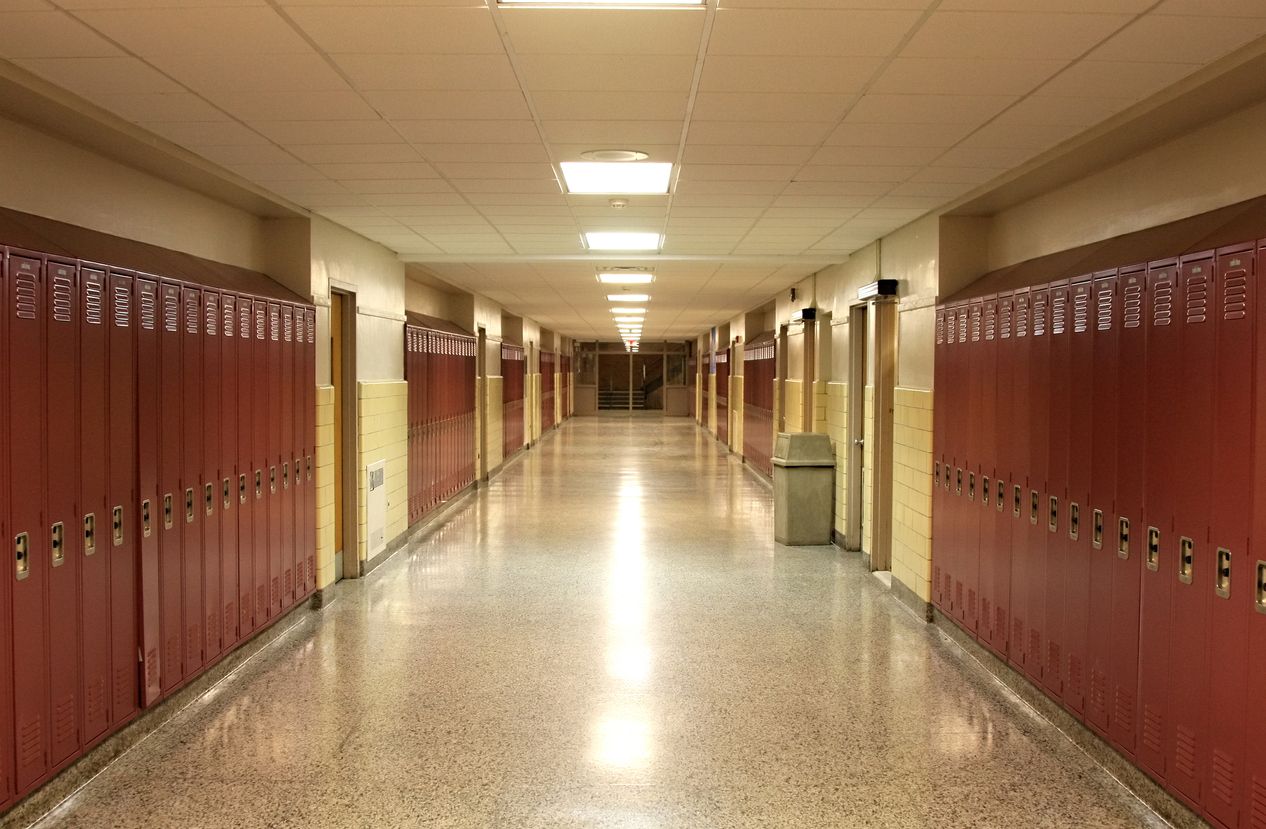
(804, 478)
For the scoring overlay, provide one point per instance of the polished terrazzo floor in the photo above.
(607, 636)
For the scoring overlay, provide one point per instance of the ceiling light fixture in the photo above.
(626, 278)
(614, 155)
(616, 177)
(628, 297)
(590, 3)
(629, 309)
(628, 319)
(619, 240)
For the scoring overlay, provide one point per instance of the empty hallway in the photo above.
(607, 636)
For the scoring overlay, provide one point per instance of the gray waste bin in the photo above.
(804, 476)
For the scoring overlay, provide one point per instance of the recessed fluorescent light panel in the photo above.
(620, 178)
(628, 319)
(627, 309)
(621, 240)
(626, 278)
(582, 3)
(628, 297)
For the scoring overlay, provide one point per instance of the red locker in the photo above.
(272, 412)
(1021, 471)
(986, 463)
(297, 452)
(955, 327)
(260, 401)
(1077, 538)
(24, 349)
(171, 491)
(6, 619)
(285, 453)
(209, 498)
(1038, 535)
(1106, 317)
(941, 387)
(1057, 513)
(192, 473)
(1159, 544)
(1133, 465)
(65, 554)
(229, 484)
(967, 554)
(94, 441)
(1193, 589)
(123, 522)
(1004, 474)
(1235, 287)
(148, 501)
(309, 443)
(1252, 601)
(249, 609)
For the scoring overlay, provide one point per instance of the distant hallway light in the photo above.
(617, 177)
(613, 240)
(588, 3)
(627, 278)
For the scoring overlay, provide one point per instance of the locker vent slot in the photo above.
(1096, 530)
(229, 315)
(1005, 323)
(63, 296)
(1185, 751)
(116, 526)
(274, 324)
(212, 314)
(1153, 548)
(149, 309)
(58, 543)
(1197, 288)
(288, 331)
(1222, 776)
(1017, 497)
(1257, 809)
(171, 312)
(312, 332)
(1103, 315)
(25, 295)
(991, 323)
(122, 306)
(1133, 305)
(1040, 302)
(940, 333)
(1186, 559)
(192, 324)
(1123, 710)
(90, 533)
(1081, 311)
(1000, 498)
(244, 322)
(1235, 295)
(1053, 518)
(1123, 538)
(1222, 582)
(1163, 304)
(22, 555)
(1074, 521)
(1153, 728)
(30, 742)
(64, 719)
(1260, 601)
(94, 303)
(261, 324)
(1059, 313)
(962, 326)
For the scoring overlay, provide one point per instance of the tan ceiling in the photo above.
(804, 129)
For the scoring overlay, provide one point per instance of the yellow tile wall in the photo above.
(777, 406)
(325, 575)
(837, 429)
(793, 396)
(382, 410)
(495, 408)
(912, 490)
(868, 469)
(736, 420)
(532, 409)
(558, 398)
(819, 406)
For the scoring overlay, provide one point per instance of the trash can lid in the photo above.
(803, 449)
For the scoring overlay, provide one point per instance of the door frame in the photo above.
(858, 367)
(349, 440)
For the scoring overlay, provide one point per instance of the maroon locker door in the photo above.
(193, 423)
(148, 503)
(940, 383)
(248, 609)
(1004, 474)
(6, 619)
(61, 468)
(1235, 286)
(1037, 544)
(170, 509)
(1021, 475)
(1106, 322)
(309, 442)
(1159, 543)
(285, 453)
(229, 490)
(209, 494)
(123, 524)
(260, 401)
(1132, 468)
(987, 445)
(1252, 601)
(969, 547)
(272, 411)
(955, 327)
(1078, 533)
(296, 448)
(24, 349)
(1193, 588)
(94, 441)
(1057, 514)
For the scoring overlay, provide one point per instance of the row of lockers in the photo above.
(549, 364)
(758, 404)
(440, 371)
(513, 379)
(1095, 509)
(564, 390)
(157, 493)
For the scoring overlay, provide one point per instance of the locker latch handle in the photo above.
(1123, 538)
(285, 475)
(22, 555)
(936, 472)
(971, 486)
(259, 483)
(1001, 497)
(1074, 520)
(1017, 499)
(145, 518)
(1053, 521)
(1260, 602)
(241, 488)
(986, 492)
(309, 467)
(272, 480)
(227, 496)
(58, 543)
(116, 523)
(189, 505)
(298, 471)
(1097, 530)
(90, 533)
(1153, 549)
(947, 477)
(1033, 501)
(958, 482)
(169, 512)
(1186, 559)
(1222, 584)
(208, 495)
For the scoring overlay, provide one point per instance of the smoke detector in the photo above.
(619, 204)
(614, 155)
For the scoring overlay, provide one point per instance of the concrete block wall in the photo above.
(912, 490)
(381, 414)
(793, 396)
(325, 575)
(736, 419)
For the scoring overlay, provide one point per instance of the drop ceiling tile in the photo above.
(654, 152)
(1117, 79)
(650, 73)
(924, 134)
(963, 175)
(261, 72)
(457, 105)
(459, 170)
(809, 32)
(875, 156)
(527, 186)
(1059, 111)
(293, 106)
(1023, 36)
(96, 76)
(855, 173)
(989, 157)
(944, 190)
(747, 133)
(915, 109)
(1005, 131)
(355, 153)
(839, 215)
(618, 133)
(604, 31)
(1196, 39)
(738, 172)
(786, 73)
(395, 72)
(370, 30)
(299, 190)
(324, 131)
(1213, 8)
(457, 132)
(757, 188)
(208, 31)
(1084, 6)
(731, 199)
(739, 154)
(769, 106)
(685, 212)
(210, 133)
(501, 199)
(177, 106)
(379, 170)
(403, 200)
(292, 171)
(433, 230)
(608, 106)
(484, 153)
(838, 188)
(375, 186)
(960, 76)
